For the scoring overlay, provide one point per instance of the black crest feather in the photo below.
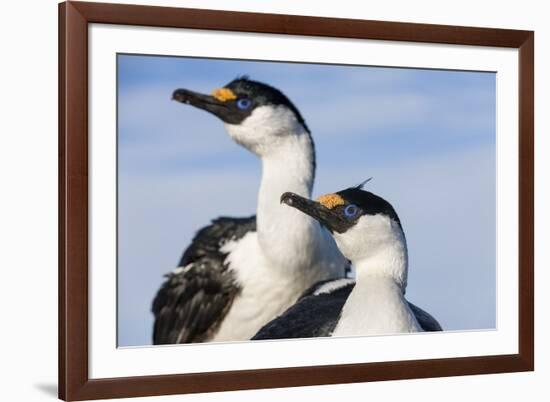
(362, 184)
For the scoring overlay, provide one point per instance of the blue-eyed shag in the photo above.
(240, 273)
(368, 231)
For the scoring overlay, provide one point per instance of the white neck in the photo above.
(389, 261)
(291, 240)
(377, 303)
(289, 168)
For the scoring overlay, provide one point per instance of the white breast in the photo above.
(266, 291)
(376, 307)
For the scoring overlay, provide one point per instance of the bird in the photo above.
(369, 233)
(240, 273)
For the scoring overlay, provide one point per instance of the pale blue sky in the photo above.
(427, 137)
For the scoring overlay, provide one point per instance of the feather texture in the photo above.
(318, 311)
(195, 298)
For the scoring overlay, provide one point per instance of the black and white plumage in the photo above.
(195, 298)
(368, 232)
(237, 275)
(317, 312)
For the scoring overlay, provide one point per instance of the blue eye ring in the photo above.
(350, 211)
(244, 103)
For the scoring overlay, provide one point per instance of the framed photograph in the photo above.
(261, 200)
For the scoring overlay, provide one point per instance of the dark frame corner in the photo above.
(74, 382)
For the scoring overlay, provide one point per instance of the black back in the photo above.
(317, 315)
(312, 316)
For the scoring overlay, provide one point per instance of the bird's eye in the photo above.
(244, 103)
(351, 211)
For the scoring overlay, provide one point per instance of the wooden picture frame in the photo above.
(74, 381)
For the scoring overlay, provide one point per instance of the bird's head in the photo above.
(256, 115)
(362, 223)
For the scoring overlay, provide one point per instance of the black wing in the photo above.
(192, 302)
(312, 316)
(316, 315)
(426, 321)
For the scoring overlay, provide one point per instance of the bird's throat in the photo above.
(284, 232)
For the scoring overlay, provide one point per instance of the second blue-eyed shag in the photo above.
(369, 233)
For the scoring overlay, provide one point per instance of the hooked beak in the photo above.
(326, 217)
(201, 101)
